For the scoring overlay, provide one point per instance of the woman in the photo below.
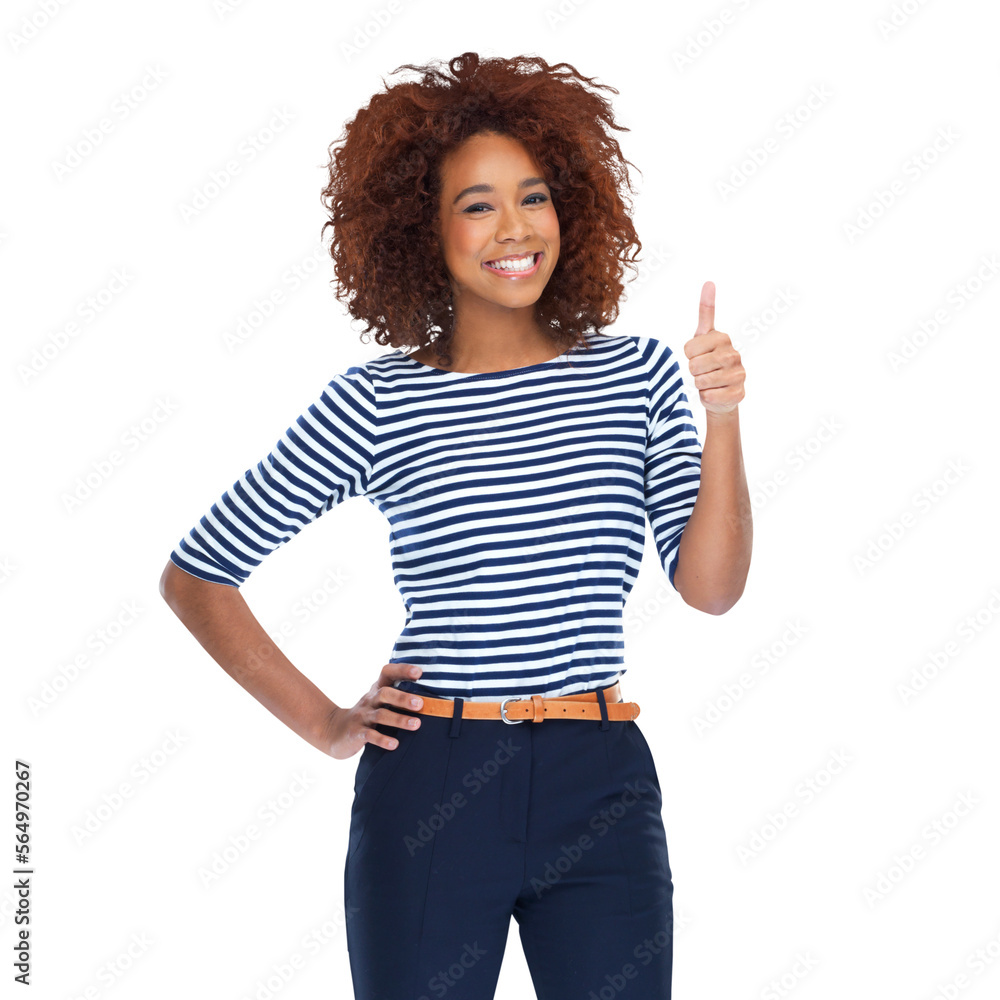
(516, 454)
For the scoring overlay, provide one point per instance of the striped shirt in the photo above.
(516, 500)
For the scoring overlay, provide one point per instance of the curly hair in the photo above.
(384, 187)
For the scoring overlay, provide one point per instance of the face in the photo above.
(482, 225)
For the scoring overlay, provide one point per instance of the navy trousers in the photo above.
(468, 823)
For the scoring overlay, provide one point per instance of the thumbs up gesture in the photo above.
(713, 361)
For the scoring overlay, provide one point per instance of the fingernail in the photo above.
(414, 671)
(416, 702)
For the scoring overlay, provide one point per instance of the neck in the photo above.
(496, 342)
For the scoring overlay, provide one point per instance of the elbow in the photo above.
(176, 586)
(181, 589)
(701, 595)
(167, 582)
(713, 606)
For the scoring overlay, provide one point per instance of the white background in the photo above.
(874, 482)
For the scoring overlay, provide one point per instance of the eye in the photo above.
(471, 208)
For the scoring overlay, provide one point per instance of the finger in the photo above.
(392, 672)
(386, 717)
(706, 309)
(372, 735)
(710, 352)
(385, 692)
(718, 378)
(390, 695)
(704, 357)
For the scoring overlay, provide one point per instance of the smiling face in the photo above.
(515, 217)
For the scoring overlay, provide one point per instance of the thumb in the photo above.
(706, 309)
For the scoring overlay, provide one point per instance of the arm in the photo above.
(714, 554)
(323, 458)
(218, 617)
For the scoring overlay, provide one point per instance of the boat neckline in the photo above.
(502, 371)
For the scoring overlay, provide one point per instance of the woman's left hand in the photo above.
(713, 361)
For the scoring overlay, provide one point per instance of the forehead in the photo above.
(485, 156)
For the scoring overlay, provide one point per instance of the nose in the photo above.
(512, 227)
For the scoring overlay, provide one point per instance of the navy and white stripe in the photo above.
(516, 500)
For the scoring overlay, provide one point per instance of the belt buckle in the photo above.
(503, 712)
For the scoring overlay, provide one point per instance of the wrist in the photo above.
(727, 417)
(323, 731)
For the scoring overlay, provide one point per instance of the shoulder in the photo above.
(376, 370)
(652, 354)
(351, 390)
(356, 378)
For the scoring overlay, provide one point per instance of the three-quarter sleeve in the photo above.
(673, 454)
(323, 458)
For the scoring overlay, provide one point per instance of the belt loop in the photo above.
(605, 724)
(456, 718)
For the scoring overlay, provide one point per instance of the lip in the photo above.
(516, 274)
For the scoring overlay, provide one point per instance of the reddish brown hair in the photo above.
(384, 187)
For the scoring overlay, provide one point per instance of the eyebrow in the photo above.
(485, 188)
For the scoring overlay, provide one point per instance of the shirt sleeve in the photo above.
(673, 454)
(323, 458)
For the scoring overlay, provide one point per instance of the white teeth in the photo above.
(516, 264)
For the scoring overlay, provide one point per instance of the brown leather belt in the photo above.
(536, 708)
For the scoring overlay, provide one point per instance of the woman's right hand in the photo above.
(349, 729)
